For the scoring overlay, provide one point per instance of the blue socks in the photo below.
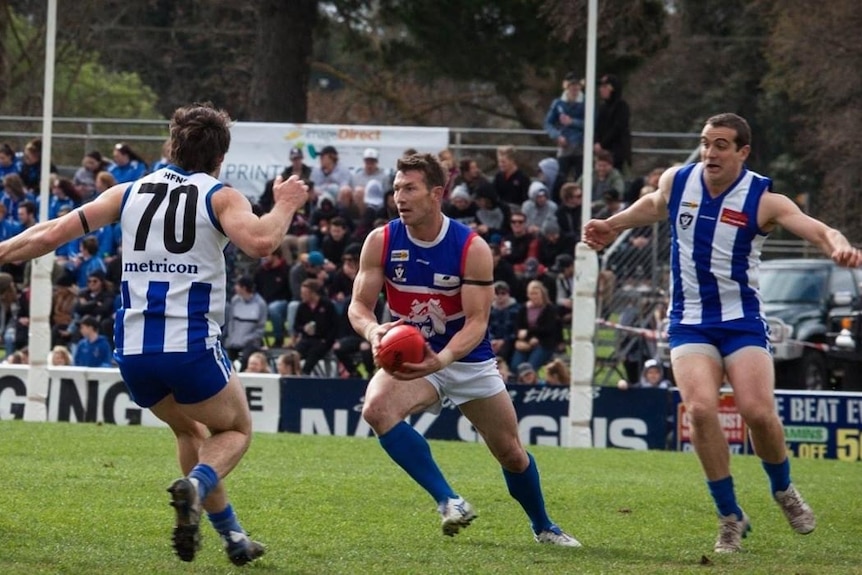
(410, 450)
(779, 475)
(225, 521)
(526, 489)
(206, 478)
(724, 497)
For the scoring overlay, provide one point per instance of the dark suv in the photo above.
(808, 302)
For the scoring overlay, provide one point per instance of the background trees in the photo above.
(790, 69)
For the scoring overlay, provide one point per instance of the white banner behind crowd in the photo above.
(259, 151)
(98, 395)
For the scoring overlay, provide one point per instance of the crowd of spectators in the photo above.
(86, 272)
(288, 314)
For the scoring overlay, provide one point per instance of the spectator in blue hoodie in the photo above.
(128, 166)
(93, 350)
(564, 123)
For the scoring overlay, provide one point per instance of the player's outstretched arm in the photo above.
(46, 236)
(259, 236)
(647, 210)
(781, 210)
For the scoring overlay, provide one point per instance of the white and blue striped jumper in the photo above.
(173, 284)
(715, 248)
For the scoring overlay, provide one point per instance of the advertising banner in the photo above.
(817, 424)
(98, 395)
(635, 419)
(259, 151)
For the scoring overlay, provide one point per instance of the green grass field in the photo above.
(80, 498)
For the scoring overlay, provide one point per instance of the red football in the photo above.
(403, 343)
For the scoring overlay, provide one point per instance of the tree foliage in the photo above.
(814, 60)
(82, 85)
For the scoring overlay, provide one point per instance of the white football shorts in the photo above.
(465, 381)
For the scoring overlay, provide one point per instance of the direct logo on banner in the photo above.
(259, 151)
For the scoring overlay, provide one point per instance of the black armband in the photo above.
(84, 223)
(478, 282)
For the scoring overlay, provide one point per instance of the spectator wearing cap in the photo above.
(298, 237)
(564, 124)
(297, 166)
(539, 208)
(502, 321)
(527, 375)
(461, 208)
(309, 266)
(371, 197)
(652, 377)
(246, 321)
(330, 177)
(605, 176)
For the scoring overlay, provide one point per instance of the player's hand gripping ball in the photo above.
(403, 343)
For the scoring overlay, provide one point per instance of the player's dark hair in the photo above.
(432, 171)
(734, 122)
(200, 137)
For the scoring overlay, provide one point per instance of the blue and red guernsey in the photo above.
(423, 283)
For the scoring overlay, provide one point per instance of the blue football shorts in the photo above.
(191, 377)
(727, 337)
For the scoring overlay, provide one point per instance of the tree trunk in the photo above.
(279, 86)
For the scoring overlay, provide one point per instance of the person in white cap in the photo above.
(365, 194)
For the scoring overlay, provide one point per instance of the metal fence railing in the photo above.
(73, 137)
